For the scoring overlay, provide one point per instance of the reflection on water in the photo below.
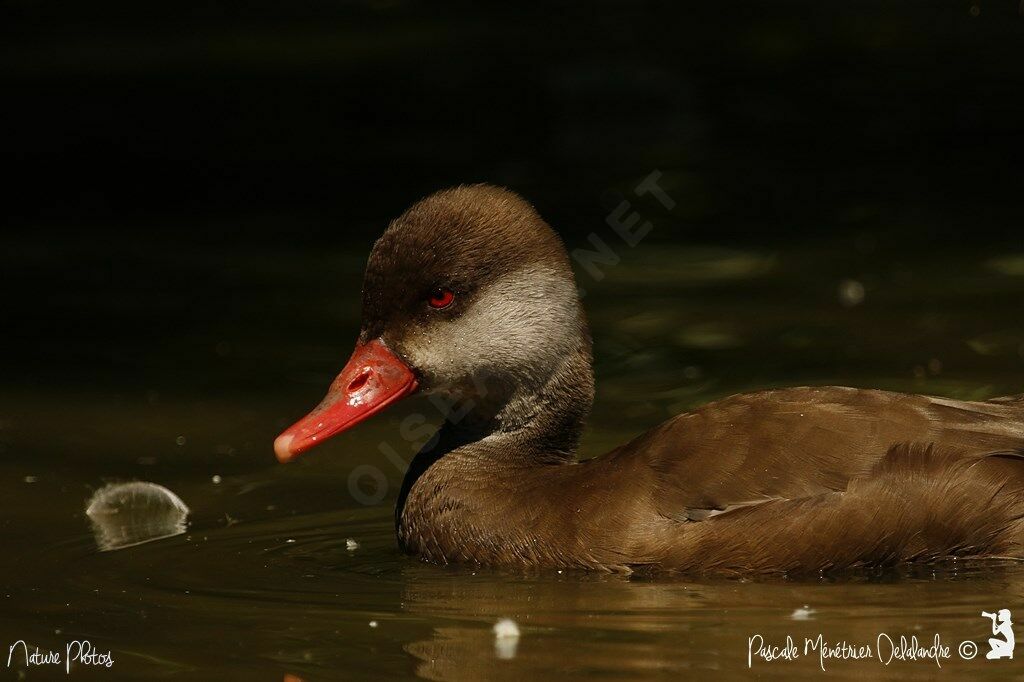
(280, 572)
(636, 629)
(129, 514)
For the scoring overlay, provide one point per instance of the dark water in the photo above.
(264, 583)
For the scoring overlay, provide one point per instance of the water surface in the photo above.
(154, 384)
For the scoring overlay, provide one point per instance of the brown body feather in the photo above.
(791, 481)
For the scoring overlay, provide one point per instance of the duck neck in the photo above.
(545, 421)
(503, 430)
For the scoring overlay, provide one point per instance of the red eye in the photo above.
(441, 298)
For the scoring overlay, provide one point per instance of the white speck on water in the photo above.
(216, 479)
(290, 540)
(803, 613)
(373, 623)
(506, 638)
(31, 479)
(851, 293)
(181, 440)
(351, 545)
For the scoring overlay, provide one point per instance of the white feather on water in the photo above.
(506, 638)
(129, 514)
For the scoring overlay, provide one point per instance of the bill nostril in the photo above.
(360, 380)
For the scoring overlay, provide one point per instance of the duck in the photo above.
(469, 296)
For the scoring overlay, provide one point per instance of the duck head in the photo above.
(468, 295)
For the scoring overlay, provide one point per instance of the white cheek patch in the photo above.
(522, 325)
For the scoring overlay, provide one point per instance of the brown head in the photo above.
(467, 292)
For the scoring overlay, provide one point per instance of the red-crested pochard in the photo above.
(469, 294)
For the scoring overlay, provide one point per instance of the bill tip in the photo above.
(283, 448)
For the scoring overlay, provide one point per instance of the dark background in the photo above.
(182, 172)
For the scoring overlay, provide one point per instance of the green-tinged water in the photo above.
(153, 383)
